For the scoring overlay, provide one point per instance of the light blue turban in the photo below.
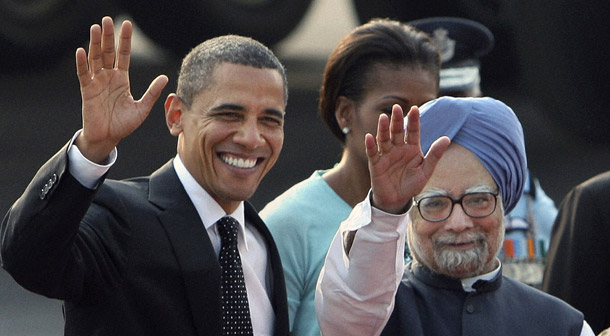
(489, 129)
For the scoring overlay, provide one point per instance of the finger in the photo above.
(371, 148)
(383, 133)
(153, 92)
(397, 125)
(95, 49)
(107, 43)
(412, 136)
(124, 49)
(82, 71)
(438, 147)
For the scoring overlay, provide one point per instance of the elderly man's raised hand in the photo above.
(397, 165)
(110, 112)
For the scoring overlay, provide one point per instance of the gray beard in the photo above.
(457, 264)
(467, 263)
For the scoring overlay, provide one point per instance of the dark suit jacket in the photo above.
(129, 258)
(578, 263)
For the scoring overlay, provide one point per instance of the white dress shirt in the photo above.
(251, 244)
(357, 288)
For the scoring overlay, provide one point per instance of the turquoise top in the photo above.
(303, 221)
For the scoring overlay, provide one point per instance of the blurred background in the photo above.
(549, 63)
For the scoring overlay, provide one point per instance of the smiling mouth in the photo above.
(238, 162)
(456, 245)
(459, 245)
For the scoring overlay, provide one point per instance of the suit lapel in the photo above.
(196, 256)
(192, 246)
(278, 286)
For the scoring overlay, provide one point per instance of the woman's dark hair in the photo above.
(380, 41)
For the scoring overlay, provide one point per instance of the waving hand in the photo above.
(397, 165)
(110, 113)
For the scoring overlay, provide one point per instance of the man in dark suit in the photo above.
(577, 268)
(140, 256)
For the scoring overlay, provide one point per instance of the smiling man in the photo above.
(451, 204)
(179, 252)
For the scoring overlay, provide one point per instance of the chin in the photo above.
(461, 264)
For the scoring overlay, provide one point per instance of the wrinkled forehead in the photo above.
(458, 172)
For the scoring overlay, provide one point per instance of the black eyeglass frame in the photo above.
(457, 201)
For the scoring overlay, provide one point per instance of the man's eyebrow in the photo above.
(221, 107)
(432, 192)
(236, 107)
(480, 188)
(276, 113)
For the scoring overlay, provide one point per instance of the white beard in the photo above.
(456, 264)
(466, 263)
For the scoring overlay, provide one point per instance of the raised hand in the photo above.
(397, 165)
(110, 113)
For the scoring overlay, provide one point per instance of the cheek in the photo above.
(193, 142)
(420, 243)
(495, 222)
(203, 144)
(421, 227)
(500, 228)
(494, 229)
(210, 134)
(422, 230)
(276, 141)
(370, 125)
(424, 236)
(366, 121)
(489, 228)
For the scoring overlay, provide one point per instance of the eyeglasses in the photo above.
(439, 208)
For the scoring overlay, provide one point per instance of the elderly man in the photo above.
(454, 286)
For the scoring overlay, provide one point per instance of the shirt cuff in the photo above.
(377, 225)
(85, 171)
(364, 213)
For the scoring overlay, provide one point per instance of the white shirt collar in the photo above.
(208, 209)
(468, 282)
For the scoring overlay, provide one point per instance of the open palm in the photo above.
(397, 165)
(110, 112)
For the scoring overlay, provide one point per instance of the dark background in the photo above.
(41, 111)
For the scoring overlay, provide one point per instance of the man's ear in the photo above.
(173, 114)
(344, 110)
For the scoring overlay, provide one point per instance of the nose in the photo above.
(249, 135)
(458, 221)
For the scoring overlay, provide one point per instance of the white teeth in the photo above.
(240, 163)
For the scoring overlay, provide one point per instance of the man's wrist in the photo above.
(85, 171)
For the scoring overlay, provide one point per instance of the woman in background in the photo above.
(377, 65)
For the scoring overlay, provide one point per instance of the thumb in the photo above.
(153, 92)
(439, 146)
